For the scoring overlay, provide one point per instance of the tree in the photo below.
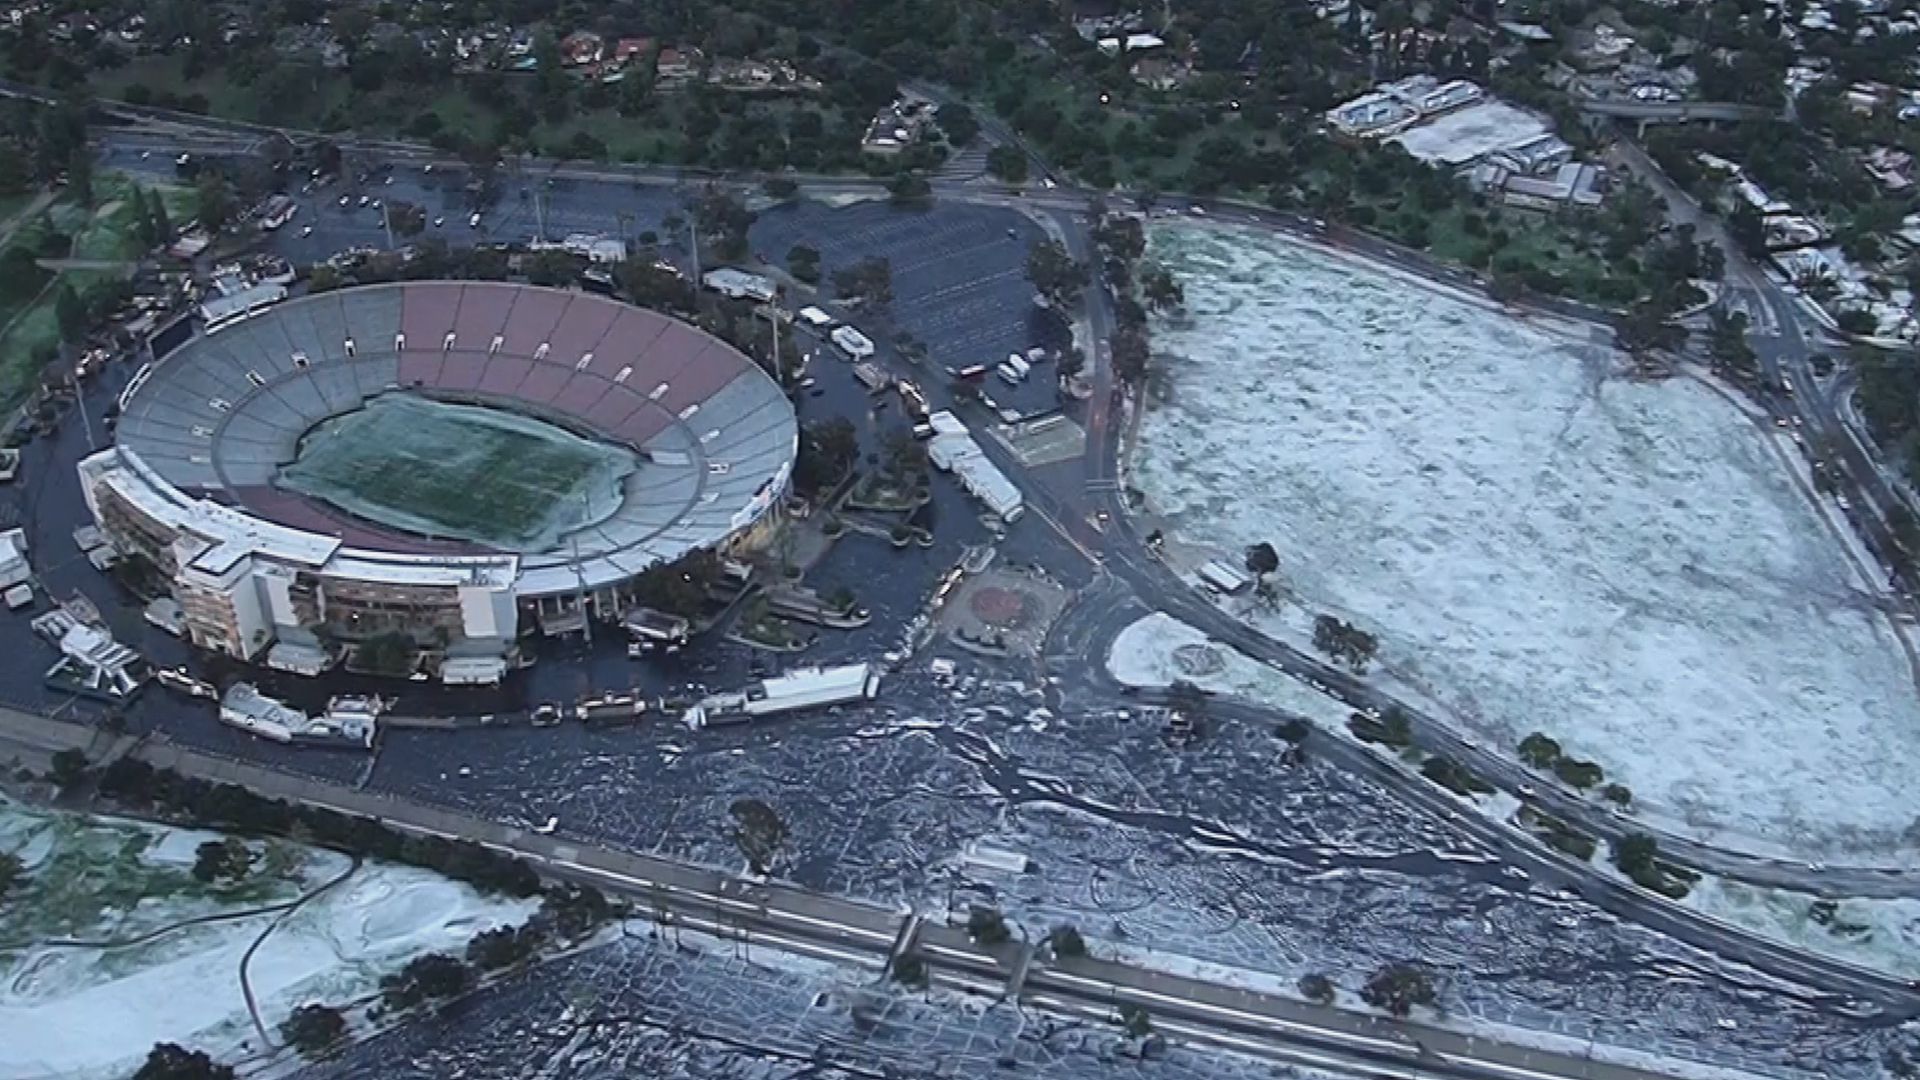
(311, 1029)
(1397, 988)
(1066, 942)
(169, 1061)
(70, 313)
(1056, 275)
(869, 281)
(910, 969)
(910, 187)
(1071, 363)
(435, 976)
(827, 449)
(1135, 1021)
(1007, 164)
(389, 653)
(1635, 854)
(1317, 988)
(1539, 751)
(1344, 642)
(780, 187)
(162, 222)
(226, 858)
(1161, 289)
(723, 222)
(956, 121)
(12, 870)
(803, 262)
(1648, 328)
(1727, 343)
(69, 768)
(987, 926)
(1262, 560)
(758, 832)
(1130, 355)
(680, 587)
(1856, 321)
(214, 203)
(80, 176)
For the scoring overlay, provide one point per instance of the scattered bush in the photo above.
(1454, 777)
(987, 926)
(312, 1029)
(1397, 988)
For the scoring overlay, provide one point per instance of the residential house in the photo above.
(581, 48)
(677, 65)
(1113, 46)
(631, 50)
(1371, 116)
(1891, 167)
(1159, 72)
(897, 126)
(1601, 49)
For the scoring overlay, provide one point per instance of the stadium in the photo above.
(455, 461)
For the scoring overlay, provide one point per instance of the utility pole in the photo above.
(779, 369)
(586, 617)
(540, 215)
(85, 422)
(693, 245)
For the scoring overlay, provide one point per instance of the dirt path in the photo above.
(286, 912)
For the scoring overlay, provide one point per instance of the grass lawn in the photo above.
(105, 231)
(448, 470)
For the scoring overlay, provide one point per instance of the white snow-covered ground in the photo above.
(1879, 934)
(1149, 653)
(87, 1013)
(1537, 543)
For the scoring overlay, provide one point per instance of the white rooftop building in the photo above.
(954, 450)
(221, 310)
(1372, 115)
(739, 285)
(13, 559)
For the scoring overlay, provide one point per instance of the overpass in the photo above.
(1673, 112)
(1241, 1018)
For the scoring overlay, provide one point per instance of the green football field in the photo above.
(458, 471)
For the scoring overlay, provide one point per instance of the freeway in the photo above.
(1246, 1020)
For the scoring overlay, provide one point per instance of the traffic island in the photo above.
(1003, 611)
